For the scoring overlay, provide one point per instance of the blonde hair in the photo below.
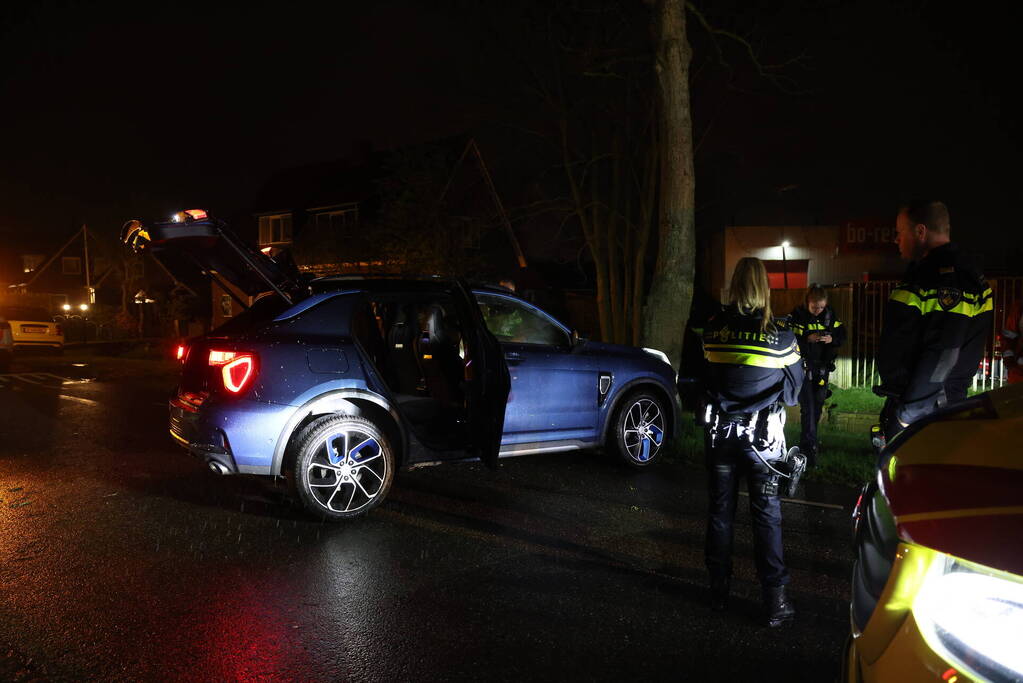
(750, 290)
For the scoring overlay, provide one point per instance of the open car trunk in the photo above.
(205, 247)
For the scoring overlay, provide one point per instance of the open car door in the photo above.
(487, 380)
(196, 245)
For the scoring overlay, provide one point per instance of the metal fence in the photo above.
(865, 316)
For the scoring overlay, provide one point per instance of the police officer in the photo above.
(752, 364)
(936, 321)
(820, 333)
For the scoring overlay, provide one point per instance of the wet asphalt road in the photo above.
(121, 558)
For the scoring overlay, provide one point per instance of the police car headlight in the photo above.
(973, 616)
(660, 354)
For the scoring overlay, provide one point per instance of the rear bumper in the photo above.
(208, 453)
(33, 344)
(239, 435)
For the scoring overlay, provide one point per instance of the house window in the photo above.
(338, 222)
(31, 261)
(71, 265)
(275, 229)
(226, 305)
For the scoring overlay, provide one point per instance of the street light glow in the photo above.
(785, 244)
(66, 307)
(83, 307)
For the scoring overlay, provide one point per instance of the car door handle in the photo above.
(513, 357)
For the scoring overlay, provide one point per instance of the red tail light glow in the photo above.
(238, 372)
(236, 368)
(180, 354)
(221, 357)
(60, 330)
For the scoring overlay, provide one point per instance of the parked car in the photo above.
(33, 327)
(6, 345)
(337, 381)
(937, 590)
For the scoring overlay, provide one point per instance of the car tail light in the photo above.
(237, 369)
(59, 329)
(181, 352)
(221, 357)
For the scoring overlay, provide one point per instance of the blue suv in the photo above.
(336, 382)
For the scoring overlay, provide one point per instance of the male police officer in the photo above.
(935, 323)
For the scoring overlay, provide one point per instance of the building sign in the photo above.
(866, 238)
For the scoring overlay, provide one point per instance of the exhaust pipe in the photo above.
(217, 467)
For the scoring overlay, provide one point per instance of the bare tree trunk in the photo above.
(646, 216)
(671, 293)
(613, 246)
(628, 275)
(598, 249)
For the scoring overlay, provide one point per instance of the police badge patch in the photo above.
(949, 297)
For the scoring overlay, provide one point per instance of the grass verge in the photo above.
(846, 456)
(854, 400)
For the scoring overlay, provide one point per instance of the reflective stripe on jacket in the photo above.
(748, 369)
(936, 323)
(803, 324)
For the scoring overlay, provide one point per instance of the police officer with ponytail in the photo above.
(752, 367)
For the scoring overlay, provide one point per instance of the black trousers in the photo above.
(730, 459)
(811, 402)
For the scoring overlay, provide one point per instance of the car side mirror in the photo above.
(576, 339)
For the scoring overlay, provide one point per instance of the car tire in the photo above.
(639, 429)
(350, 481)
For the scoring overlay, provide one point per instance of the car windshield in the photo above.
(25, 313)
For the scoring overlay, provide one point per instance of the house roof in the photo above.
(314, 185)
(331, 183)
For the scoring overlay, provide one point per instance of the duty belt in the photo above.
(735, 418)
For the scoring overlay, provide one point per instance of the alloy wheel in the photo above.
(347, 471)
(643, 430)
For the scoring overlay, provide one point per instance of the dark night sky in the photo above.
(114, 111)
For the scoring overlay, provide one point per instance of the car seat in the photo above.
(438, 350)
(403, 370)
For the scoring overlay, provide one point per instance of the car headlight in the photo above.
(660, 354)
(973, 616)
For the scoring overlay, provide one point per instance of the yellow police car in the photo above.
(937, 592)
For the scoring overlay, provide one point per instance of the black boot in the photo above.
(719, 589)
(779, 610)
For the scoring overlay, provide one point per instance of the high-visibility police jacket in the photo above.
(936, 323)
(804, 323)
(748, 369)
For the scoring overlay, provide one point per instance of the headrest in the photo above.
(439, 327)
